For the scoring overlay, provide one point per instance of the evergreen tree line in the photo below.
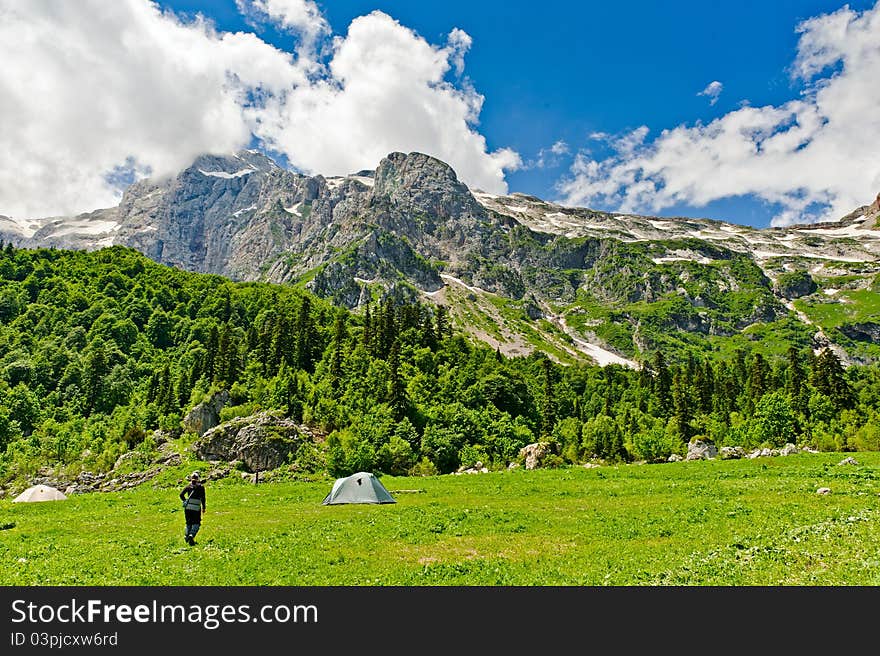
(99, 350)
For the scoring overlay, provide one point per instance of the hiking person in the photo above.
(193, 497)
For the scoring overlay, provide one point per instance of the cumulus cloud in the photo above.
(385, 91)
(811, 156)
(712, 90)
(301, 17)
(98, 93)
(92, 88)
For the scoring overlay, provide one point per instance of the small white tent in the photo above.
(40, 493)
(362, 487)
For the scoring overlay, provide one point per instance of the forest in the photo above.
(100, 350)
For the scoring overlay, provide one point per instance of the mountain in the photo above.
(515, 271)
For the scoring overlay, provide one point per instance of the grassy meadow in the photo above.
(728, 523)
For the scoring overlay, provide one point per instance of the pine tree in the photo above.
(283, 342)
(387, 328)
(367, 335)
(304, 330)
(224, 354)
(830, 380)
(662, 384)
(212, 348)
(95, 368)
(184, 389)
(796, 383)
(397, 400)
(548, 406)
(340, 334)
(427, 332)
(706, 387)
(757, 381)
(682, 403)
(441, 320)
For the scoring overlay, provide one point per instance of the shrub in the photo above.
(655, 444)
(396, 457)
(424, 467)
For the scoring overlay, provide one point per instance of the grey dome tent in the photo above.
(362, 487)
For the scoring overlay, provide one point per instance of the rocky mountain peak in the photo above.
(423, 184)
(876, 206)
(240, 163)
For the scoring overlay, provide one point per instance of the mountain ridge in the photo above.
(518, 272)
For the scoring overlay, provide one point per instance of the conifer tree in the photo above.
(397, 400)
(212, 348)
(796, 382)
(441, 319)
(367, 335)
(682, 404)
(340, 334)
(304, 335)
(662, 383)
(830, 380)
(548, 405)
(757, 381)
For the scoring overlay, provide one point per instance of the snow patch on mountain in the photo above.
(227, 176)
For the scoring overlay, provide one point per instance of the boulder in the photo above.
(535, 453)
(848, 461)
(674, 458)
(823, 490)
(701, 450)
(261, 442)
(206, 415)
(789, 449)
(732, 452)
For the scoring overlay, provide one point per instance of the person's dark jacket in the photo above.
(198, 492)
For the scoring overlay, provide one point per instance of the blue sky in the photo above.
(560, 71)
(568, 101)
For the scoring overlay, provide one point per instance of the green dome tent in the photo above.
(362, 487)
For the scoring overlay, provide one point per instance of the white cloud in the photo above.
(812, 152)
(89, 87)
(93, 89)
(385, 91)
(299, 16)
(712, 90)
(549, 157)
(559, 148)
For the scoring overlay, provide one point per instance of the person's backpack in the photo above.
(191, 502)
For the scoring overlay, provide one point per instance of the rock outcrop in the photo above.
(206, 415)
(866, 331)
(534, 454)
(796, 285)
(260, 442)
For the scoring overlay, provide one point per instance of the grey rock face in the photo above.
(863, 332)
(206, 415)
(261, 442)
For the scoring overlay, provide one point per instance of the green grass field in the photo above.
(730, 523)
